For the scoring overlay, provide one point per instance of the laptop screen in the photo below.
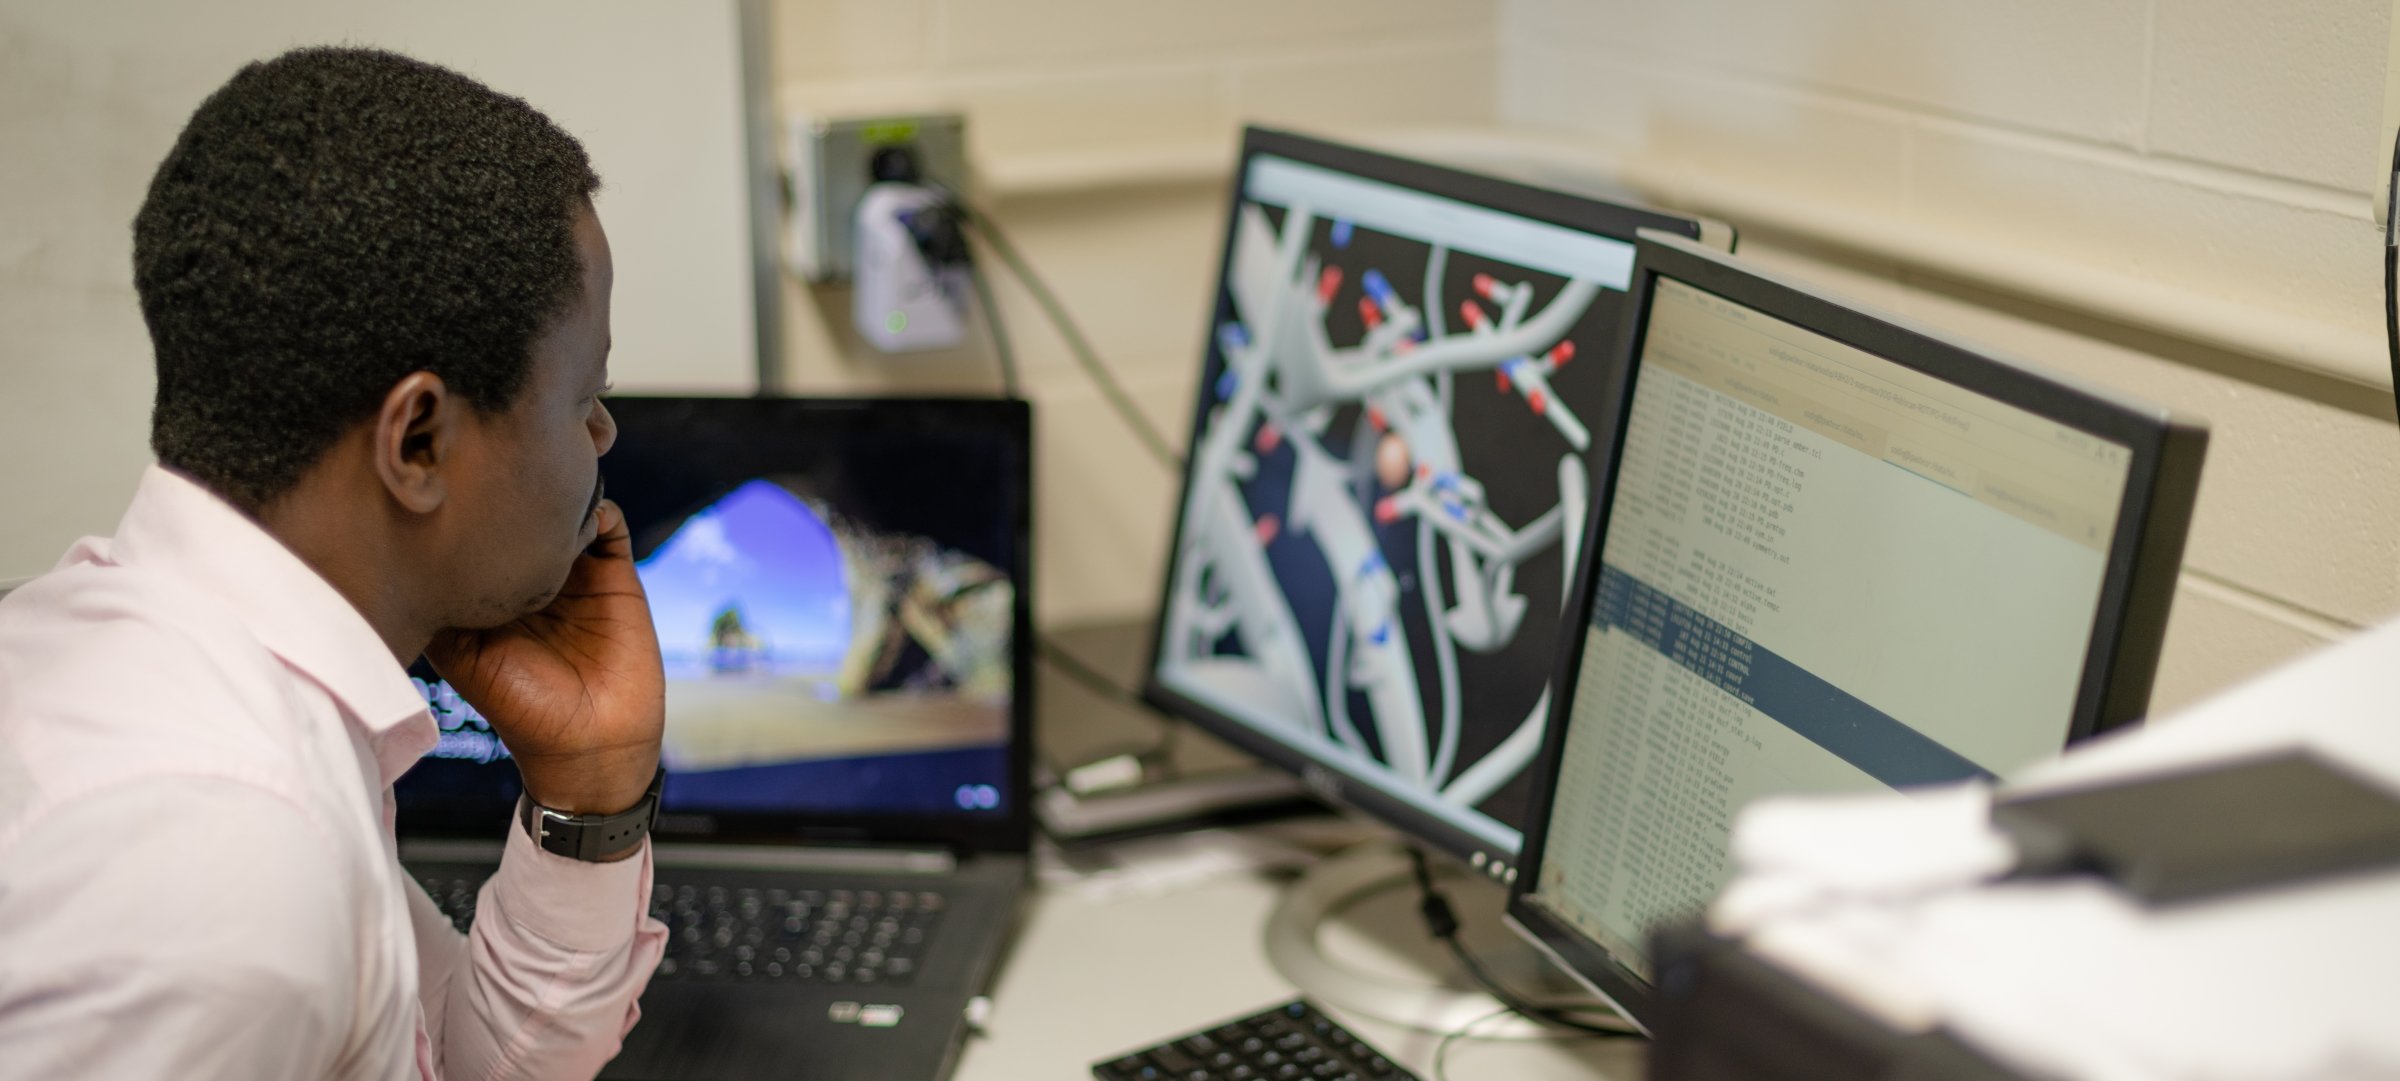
(838, 592)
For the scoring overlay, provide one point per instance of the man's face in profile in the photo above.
(530, 482)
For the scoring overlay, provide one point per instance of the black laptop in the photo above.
(842, 601)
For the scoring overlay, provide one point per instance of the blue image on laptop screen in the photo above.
(835, 615)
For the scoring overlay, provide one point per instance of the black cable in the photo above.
(1009, 386)
(940, 233)
(1077, 344)
(1443, 923)
(1441, 1049)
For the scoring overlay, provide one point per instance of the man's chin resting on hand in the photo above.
(377, 294)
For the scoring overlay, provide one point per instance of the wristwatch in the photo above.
(592, 838)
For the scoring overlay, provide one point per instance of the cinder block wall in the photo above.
(2219, 156)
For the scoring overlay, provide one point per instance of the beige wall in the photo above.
(1102, 132)
(93, 93)
(2169, 196)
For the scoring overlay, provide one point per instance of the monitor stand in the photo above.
(1349, 935)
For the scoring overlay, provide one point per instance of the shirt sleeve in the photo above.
(543, 985)
(214, 941)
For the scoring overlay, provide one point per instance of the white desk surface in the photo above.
(1094, 977)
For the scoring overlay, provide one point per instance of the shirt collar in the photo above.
(176, 525)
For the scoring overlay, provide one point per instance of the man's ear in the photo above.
(416, 439)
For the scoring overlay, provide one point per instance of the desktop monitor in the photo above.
(1389, 468)
(1834, 553)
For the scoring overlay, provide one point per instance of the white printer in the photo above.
(1907, 935)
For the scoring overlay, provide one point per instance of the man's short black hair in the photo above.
(331, 221)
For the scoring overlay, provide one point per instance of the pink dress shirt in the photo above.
(198, 877)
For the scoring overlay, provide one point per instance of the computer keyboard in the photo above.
(744, 935)
(1292, 1042)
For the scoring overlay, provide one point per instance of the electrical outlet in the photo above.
(826, 163)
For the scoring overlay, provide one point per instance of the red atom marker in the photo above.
(1387, 510)
(1472, 314)
(1560, 354)
(1269, 437)
(1268, 527)
(1368, 313)
(1329, 283)
(1424, 471)
(1538, 401)
(1486, 285)
(1500, 376)
(1375, 417)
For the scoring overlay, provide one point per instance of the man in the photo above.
(378, 297)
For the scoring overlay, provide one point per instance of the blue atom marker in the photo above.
(1227, 383)
(1341, 233)
(1382, 635)
(1377, 286)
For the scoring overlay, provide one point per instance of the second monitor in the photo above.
(1388, 477)
(1835, 554)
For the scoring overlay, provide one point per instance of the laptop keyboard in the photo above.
(742, 935)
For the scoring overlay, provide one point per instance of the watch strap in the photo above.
(592, 838)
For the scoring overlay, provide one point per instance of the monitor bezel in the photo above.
(1331, 780)
(1007, 830)
(2137, 588)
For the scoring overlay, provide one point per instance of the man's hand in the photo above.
(575, 690)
